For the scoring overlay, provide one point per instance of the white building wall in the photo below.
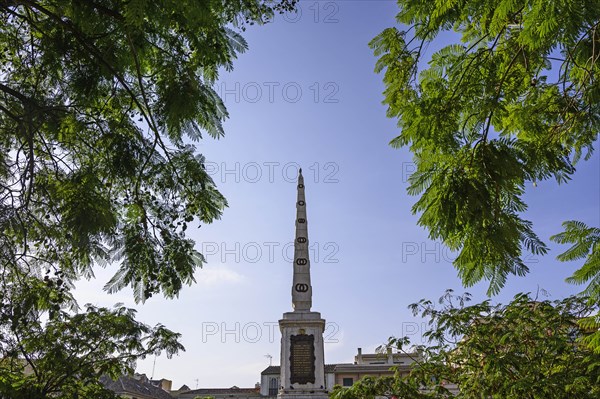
(329, 381)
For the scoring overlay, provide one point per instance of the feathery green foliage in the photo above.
(96, 98)
(525, 349)
(66, 356)
(586, 245)
(99, 100)
(514, 100)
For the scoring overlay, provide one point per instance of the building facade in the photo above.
(346, 374)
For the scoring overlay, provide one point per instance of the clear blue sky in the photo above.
(305, 94)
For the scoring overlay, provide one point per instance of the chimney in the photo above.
(166, 385)
(359, 359)
(390, 356)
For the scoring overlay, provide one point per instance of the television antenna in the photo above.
(270, 359)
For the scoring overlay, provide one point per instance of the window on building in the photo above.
(273, 387)
(347, 382)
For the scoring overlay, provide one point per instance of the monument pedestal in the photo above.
(302, 357)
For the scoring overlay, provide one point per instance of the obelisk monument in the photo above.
(302, 361)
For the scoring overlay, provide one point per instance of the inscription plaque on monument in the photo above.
(302, 359)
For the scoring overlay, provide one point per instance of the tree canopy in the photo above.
(99, 102)
(96, 98)
(66, 356)
(515, 99)
(527, 348)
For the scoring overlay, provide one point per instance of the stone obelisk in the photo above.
(302, 361)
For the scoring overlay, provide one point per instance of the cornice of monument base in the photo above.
(302, 315)
(302, 322)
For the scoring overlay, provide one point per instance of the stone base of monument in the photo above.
(307, 395)
(302, 361)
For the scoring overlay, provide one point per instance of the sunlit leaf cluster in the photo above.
(514, 99)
